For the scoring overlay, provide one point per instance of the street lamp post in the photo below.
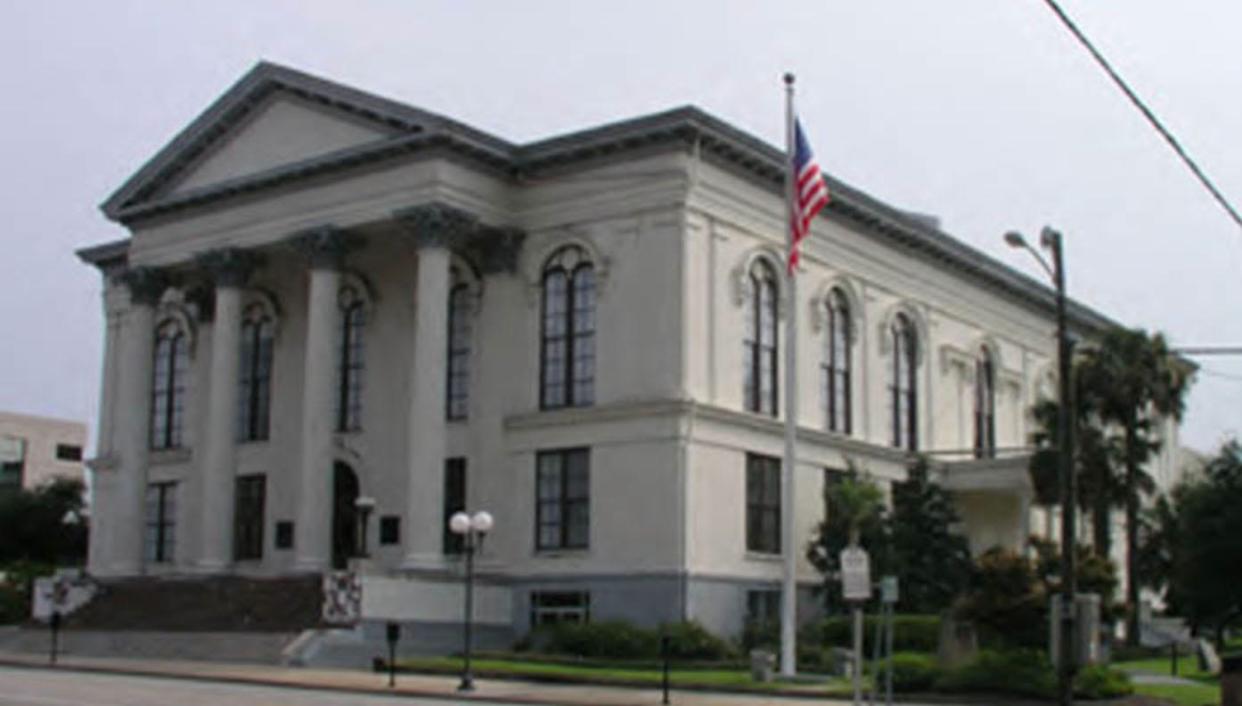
(472, 530)
(1050, 240)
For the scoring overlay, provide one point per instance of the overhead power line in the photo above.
(1147, 112)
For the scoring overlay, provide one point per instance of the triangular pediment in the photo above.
(284, 130)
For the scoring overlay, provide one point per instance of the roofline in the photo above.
(115, 252)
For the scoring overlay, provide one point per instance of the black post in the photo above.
(1069, 494)
(393, 630)
(467, 679)
(1174, 646)
(54, 623)
(664, 654)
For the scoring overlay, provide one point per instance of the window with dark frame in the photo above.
(567, 340)
(161, 523)
(390, 530)
(168, 389)
(255, 398)
(759, 343)
(350, 361)
(835, 368)
(68, 452)
(552, 607)
(985, 405)
(249, 502)
(563, 499)
(902, 384)
(763, 606)
(763, 504)
(284, 534)
(454, 502)
(459, 332)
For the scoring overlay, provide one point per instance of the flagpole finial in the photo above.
(789, 78)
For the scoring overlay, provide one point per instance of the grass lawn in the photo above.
(1182, 694)
(621, 676)
(1187, 667)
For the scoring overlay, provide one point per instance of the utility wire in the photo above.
(1147, 113)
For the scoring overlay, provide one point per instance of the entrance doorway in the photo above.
(344, 514)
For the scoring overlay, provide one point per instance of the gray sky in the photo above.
(985, 113)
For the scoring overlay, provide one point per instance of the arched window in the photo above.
(255, 401)
(835, 367)
(459, 327)
(759, 345)
(902, 384)
(168, 389)
(350, 361)
(985, 405)
(567, 350)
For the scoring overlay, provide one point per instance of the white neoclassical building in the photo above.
(326, 295)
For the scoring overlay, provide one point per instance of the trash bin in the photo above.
(762, 665)
(1231, 680)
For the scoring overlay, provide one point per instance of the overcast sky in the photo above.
(983, 112)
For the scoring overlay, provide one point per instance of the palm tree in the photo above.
(1134, 381)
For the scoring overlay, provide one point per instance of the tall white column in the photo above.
(425, 491)
(220, 453)
(313, 536)
(134, 424)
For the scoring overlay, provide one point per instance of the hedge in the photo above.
(622, 640)
(911, 633)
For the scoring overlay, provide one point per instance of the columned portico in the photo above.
(432, 228)
(229, 270)
(134, 395)
(325, 249)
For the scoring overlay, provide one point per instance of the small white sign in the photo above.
(888, 589)
(855, 574)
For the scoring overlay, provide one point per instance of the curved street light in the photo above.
(472, 528)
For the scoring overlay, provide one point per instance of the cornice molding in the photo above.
(325, 247)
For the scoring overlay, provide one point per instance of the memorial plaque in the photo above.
(855, 574)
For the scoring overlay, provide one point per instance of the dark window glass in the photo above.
(161, 522)
(254, 402)
(563, 499)
(835, 367)
(759, 393)
(567, 346)
(551, 607)
(68, 452)
(763, 606)
(390, 530)
(902, 385)
(985, 406)
(249, 500)
(284, 534)
(454, 502)
(350, 361)
(459, 331)
(763, 504)
(172, 362)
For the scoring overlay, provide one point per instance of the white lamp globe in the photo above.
(459, 523)
(483, 521)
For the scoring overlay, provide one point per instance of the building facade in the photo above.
(328, 296)
(35, 450)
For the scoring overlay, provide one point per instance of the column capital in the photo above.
(229, 267)
(436, 224)
(146, 284)
(325, 247)
(495, 249)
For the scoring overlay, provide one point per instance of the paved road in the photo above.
(44, 687)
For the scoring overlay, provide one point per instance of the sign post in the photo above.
(888, 597)
(393, 633)
(856, 589)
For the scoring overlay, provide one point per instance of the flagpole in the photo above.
(789, 591)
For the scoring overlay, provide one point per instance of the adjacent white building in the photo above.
(327, 295)
(35, 450)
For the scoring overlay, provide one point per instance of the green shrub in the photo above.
(622, 640)
(911, 633)
(1022, 672)
(762, 634)
(1100, 682)
(691, 641)
(912, 671)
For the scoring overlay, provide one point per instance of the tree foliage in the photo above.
(33, 527)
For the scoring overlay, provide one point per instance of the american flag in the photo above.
(810, 193)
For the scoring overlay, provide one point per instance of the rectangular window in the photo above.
(68, 452)
(458, 367)
(763, 504)
(12, 462)
(454, 501)
(284, 534)
(552, 607)
(250, 499)
(161, 522)
(390, 530)
(563, 499)
(763, 606)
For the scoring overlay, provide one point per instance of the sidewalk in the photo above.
(486, 690)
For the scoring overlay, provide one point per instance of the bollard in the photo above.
(664, 654)
(54, 623)
(1231, 680)
(393, 633)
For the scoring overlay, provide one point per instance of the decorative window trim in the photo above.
(571, 333)
(537, 261)
(461, 275)
(175, 310)
(852, 296)
(740, 275)
(266, 302)
(921, 330)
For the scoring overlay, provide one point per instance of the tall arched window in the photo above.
(759, 343)
(459, 327)
(567, 349)
(902, 384)
(168, 389)
(985, 405)
(835, 366)
(255, 401)
(350, 360)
